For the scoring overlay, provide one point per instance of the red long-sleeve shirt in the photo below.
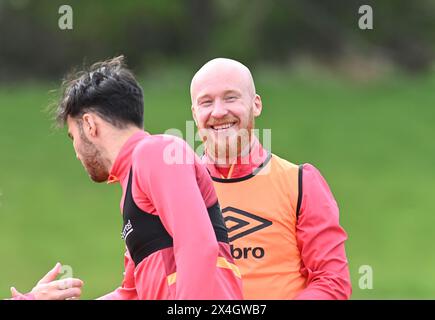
(169, 181)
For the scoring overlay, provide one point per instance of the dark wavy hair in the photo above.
(108, 89)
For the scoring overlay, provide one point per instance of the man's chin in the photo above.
(222, 152)
(98, 179)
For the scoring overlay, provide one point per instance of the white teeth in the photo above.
(223, 126)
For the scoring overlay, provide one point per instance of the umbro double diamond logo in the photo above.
(240, 223)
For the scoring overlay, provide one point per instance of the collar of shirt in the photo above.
(122, 164)
(243, 166)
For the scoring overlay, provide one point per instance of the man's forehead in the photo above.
(223, 75)
(216, 73)
(218, 83)
(215, 90)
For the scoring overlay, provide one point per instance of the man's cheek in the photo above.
(203, 117)
(76, 151)
(201, 124)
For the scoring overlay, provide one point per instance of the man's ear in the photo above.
(89, 124)
(258, 105)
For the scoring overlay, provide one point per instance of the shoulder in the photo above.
(157, 146)
(309, 171)
(314, 184)
(158, 141)
(303, 177)
(283, 166)
(158, 154)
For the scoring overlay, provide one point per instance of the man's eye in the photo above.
(230, 99)
(206, 103)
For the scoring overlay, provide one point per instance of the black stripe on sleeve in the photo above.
(300, 173)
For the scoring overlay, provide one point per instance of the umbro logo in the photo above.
(240, 223)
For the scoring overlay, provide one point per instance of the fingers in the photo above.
(48, 288)
(70, 294)
(15, 292)
(59, 290)
(52, 274)
(68, 283)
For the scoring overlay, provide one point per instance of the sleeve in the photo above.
(127, 290)
(175, 194)
(321, 241)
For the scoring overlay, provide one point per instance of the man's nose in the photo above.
(219, 110)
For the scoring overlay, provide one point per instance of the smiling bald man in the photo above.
(283, 220)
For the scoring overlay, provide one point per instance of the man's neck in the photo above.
(242, 166)
(117, 140)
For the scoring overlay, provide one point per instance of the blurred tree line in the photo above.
(190, 32)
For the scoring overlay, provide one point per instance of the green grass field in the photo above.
(373, 142)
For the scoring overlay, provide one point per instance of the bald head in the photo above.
(224, 72)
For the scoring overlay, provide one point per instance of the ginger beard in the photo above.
(223, 147)
(91, 159)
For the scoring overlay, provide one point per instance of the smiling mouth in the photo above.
(223, 126)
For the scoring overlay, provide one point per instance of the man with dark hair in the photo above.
(176, 239)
